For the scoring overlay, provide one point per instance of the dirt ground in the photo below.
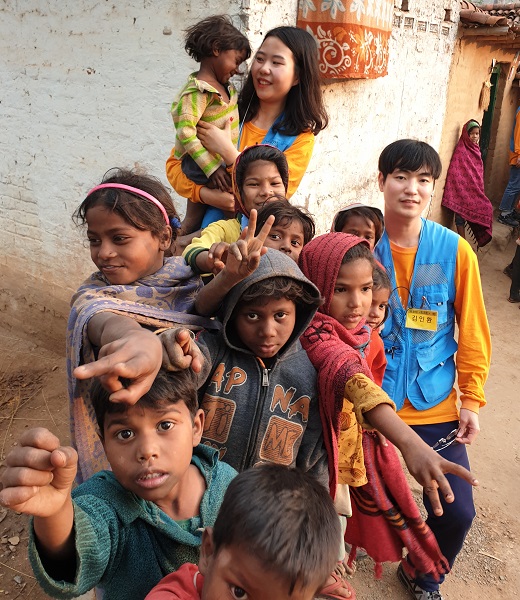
(33, 392)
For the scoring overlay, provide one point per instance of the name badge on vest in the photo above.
(417, 318)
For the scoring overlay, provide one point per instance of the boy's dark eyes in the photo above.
(238, 593)
(125, 434)
(165, 425)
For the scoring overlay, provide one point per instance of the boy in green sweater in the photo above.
(122, 530)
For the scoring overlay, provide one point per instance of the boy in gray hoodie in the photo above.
(257, 386)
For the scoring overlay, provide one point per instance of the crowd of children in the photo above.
(271, 368)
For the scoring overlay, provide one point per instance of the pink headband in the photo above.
(129, 188)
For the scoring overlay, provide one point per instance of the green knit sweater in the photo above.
(125, 544)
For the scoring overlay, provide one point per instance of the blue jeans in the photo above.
(511, 192)
(451, 528)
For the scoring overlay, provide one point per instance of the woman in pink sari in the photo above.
(464, 188)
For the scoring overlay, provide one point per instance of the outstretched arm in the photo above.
(38, 481)
(243, 258)
(126, 350)
(424, 464)
(373, 406)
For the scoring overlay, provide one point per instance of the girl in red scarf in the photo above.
(337, 343)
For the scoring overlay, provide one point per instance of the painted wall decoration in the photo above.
(352, 35)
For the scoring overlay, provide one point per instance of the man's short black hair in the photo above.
(409, 155)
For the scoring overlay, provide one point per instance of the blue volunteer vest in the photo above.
(421, 365)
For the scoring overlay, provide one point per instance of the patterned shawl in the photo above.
(163, 299)
(336, 353)
(464, 188)
(385, 516)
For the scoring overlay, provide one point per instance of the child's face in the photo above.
(363, 228)
(406, 193)
(266, 325)
(228, 64)
(352, 293)
(150, 450)
(273, 71)
(261, 182)
(234, 573)
(377, 310)
(288, 238)
(474, 135)
(121, 252)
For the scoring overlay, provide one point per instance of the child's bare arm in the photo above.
(127, 350)
(243, 258)
(424, 464)
(373, 407)
(38, 481)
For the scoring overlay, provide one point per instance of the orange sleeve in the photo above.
(474, 352)
(376, 358)
(298, 157)
(179, 182)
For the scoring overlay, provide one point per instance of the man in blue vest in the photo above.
(436, 284)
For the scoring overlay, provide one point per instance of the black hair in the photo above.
(359, 251)
(409, 155)
(216, 33)
(304, 108)
(168, 388)
(283, 517)
(381, 282)
(381, 279)
(284, 214)
(130, 206)
(366, 213)
(260, 152)
(280, 287)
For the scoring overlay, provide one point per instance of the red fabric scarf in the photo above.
(385, 510)
(464, 188)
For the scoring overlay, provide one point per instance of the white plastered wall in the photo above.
(87, 85)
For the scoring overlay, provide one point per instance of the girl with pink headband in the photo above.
(138, 289)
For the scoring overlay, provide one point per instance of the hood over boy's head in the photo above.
(277, 278)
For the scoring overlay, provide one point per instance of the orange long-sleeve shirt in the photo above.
(474, 352)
